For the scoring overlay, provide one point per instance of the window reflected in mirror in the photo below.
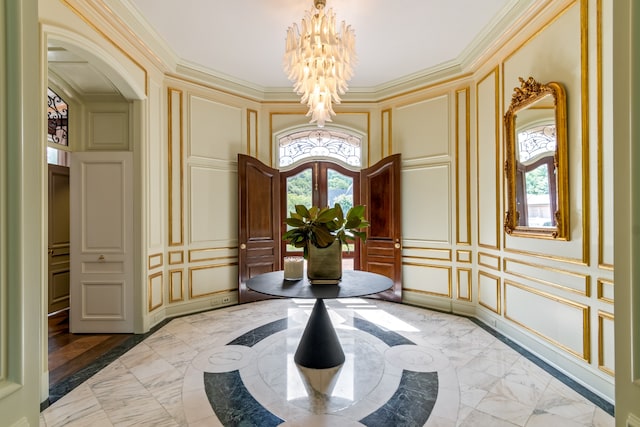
(535, 165)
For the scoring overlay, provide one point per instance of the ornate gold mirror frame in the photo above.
(536, 165)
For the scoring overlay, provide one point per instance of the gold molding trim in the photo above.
(447, 253)
(600, 137)
(426, 87)
(172, 297)
(387, 126)
(600, 291)
(252, 113)
(468, 255)
(469, 274)
(586, 329)
(151, 259)
(193, 252)
(485, 264)
(112, 42)
(496, 72)
(498, 308)
(586, 179)
(602, 316)
(440, 267)
(150, 291)
(467, 144)
(587, 279)
(180, 260)
(174, 240)
(206, 267)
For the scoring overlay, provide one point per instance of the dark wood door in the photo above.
(259, 223)
(382, 253)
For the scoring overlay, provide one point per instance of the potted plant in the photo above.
(321, 232)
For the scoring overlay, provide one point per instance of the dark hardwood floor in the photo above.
(72, 353)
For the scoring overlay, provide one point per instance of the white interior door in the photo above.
(101, 242)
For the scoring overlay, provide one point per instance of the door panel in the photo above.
(383, 251)
(58, 241)
(101, 242)
(259, 223)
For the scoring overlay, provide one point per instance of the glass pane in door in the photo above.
(299, 192)
(340, 191)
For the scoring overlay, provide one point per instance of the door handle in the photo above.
(243, 246)
(101, 258)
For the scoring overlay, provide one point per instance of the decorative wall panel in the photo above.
(421, 130)
(208, 280)
(432, 201)
(175, 168)
(215, 130)
(550, 276)
(464, 284)
(606, 345)
(489, 171)
(156, 181)
(489, 291)
(206, 187)
(564, 323)
(428, 279)
(109, 131)
(463, 168)
(176, 285)
(155, 291)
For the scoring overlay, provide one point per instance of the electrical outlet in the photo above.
(226, 300)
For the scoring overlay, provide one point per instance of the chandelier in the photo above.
(318, 60)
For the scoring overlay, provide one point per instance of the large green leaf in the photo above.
(302, 211)
(294, 222)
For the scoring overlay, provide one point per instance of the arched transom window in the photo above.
(328, 143)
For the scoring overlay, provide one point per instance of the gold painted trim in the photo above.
(251, 113)
(440, 267)
(387, 125)
(172, 297)
(206, 267)
(600, 291)
(600, 138)
(469, 273)
(574, 261)
(193, 252)
(181, 259)
(602, 316)
(586, 325)
(113, 43)
(467, 168)
(150, 290)
(587, 279)
(447, 253)
(467, 253)
(496, 72)
(484, 264)
(586, 179)
(498, 309)
(170, 142)
(158, 264)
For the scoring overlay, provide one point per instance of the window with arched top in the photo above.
(57, 129)
(334, 144)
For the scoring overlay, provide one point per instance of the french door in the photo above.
(267, 195)
(320, 183)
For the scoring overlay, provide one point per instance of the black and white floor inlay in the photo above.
(404, 366)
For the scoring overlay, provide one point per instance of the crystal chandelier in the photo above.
(318, 60)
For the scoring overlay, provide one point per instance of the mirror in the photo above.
(536, 161)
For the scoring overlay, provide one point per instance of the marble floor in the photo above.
(404, 366)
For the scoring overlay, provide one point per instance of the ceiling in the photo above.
(395, 40)
(242, 41)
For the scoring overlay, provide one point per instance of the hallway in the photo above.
(404, 366)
